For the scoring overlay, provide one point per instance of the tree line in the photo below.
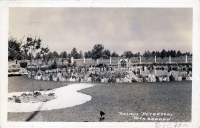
(25, 49)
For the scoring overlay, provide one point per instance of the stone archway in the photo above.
(124, 64)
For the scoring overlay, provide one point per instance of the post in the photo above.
(110, 60)
(140, 59)
(185, 58)
(155, 59)
(72, 60)
(97, 61)
(169, 59)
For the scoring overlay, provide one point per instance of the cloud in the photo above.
(118, 29)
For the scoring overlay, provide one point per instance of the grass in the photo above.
(166, 97)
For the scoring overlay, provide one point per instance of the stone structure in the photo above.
(124, 65)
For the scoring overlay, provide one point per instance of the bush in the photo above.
(157, 79)
(51, 94)
(54, 65)
(23, 64)
(50, 77)
(9, 98)
(134, 80)
(171, 78)
(43, 69)
(183, 78)
(37, 94)
(23, 94)
(17, 100)
(30, 94)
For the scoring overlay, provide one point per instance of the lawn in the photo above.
(166, 97)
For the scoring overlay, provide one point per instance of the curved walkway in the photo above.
(65, 97)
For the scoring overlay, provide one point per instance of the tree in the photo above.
(31, 46)
(38, 55)
(55, 55)
(49, 56)
(63, 54)
(74, 53)
(14, 49)
(145, 54)
(106, 54)
(173, 53)
(97, 51)
(168, 53)
(29, 57)
(88, 54)
(80, 54)
(44, 51)
(114, 54)
(158, 54)
(128, 54)
(163, 53)
(69, 55)
(138, 54)
(153, 54)
(179, 53)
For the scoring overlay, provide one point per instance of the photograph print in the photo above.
(99, 64)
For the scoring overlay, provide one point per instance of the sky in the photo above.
(118, 29)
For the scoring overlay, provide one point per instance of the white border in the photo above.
(4, 13)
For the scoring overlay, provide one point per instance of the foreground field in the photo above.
(166, 97)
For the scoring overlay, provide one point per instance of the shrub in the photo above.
(51, 94)
(23, 94)
(43, 69)
(64, 66)
(23, 64)
(54, 65)
(171, 78)
(98, 79)
(37, 94)
(140, 76)
(51, 77)
(157, 79)
(48, 89)
(30, 94)
(183, 78)
(9, 98)
(41, 90)
(134, 80)
(109, 80)
(175, 68)
(17, 100)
